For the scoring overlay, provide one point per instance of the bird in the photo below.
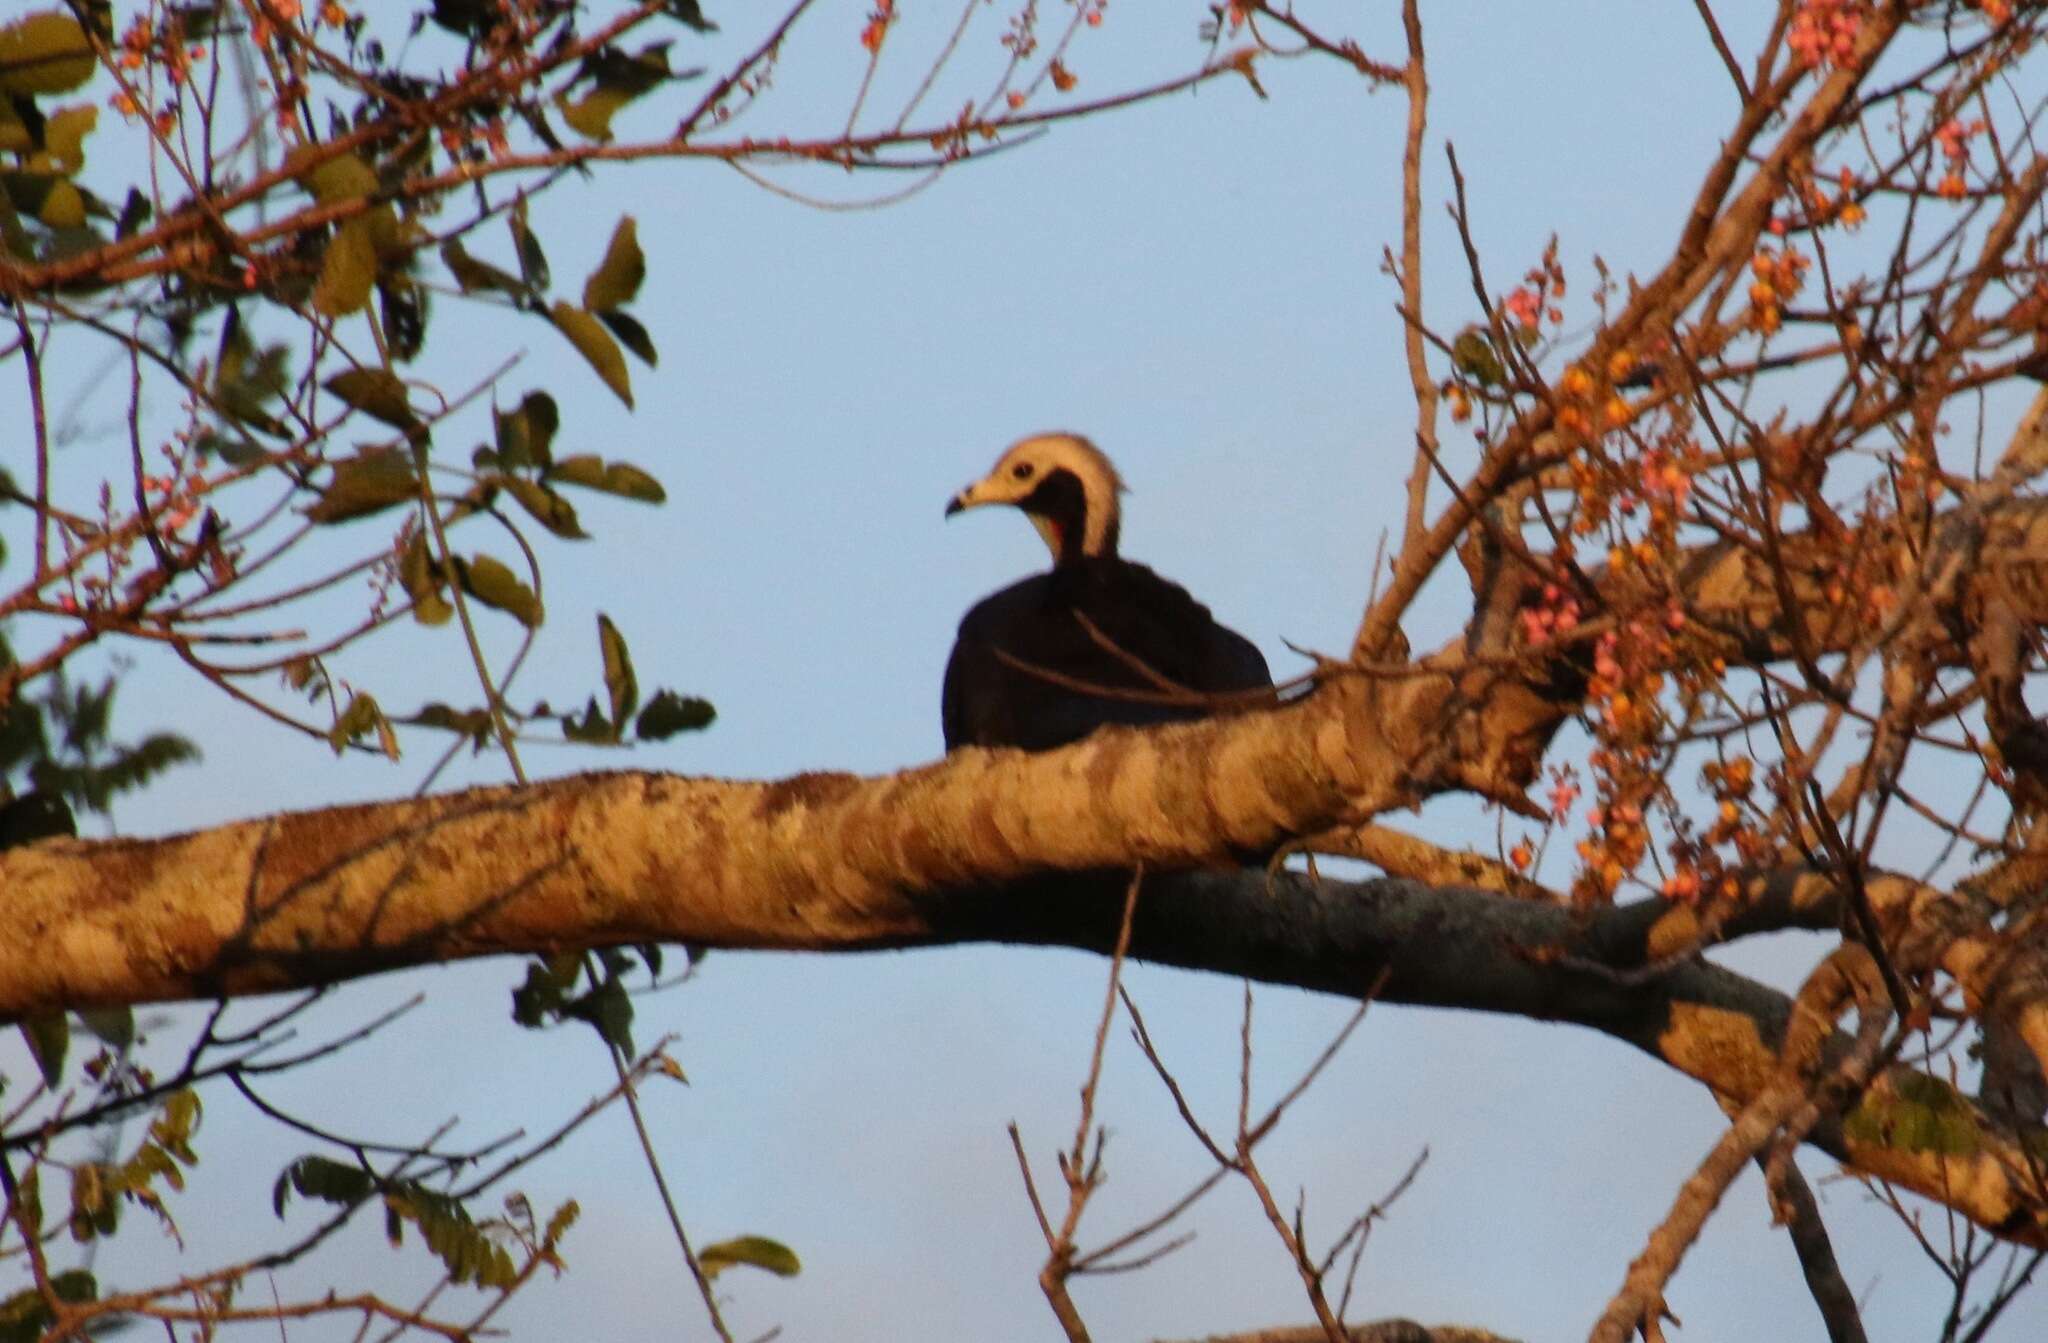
(1095, 640)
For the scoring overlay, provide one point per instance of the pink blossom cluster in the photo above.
(1563, 791)
(1823, 32)
(1663, 480)
(1554, 617)
(1525, 305)
(1954, 138)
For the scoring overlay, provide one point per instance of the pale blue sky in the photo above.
(1196, 285)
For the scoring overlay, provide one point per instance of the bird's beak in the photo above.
(973, 496)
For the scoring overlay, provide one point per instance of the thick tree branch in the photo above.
(970, 849)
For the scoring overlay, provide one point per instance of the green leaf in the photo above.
(544, 996)
(348, 268)
(619, 682)
(58, 205)
(593, 726)
(12, 234)
(650, 952)
(474, 724)
(17, 134)
(95, 1206)
(49, 1040)
(669, 713)
(244, 381)
(29, 191)
(609, 1010)
(473, 275)
(175, 1124)
(616, 78)
(336, 177)
(595, 344)
(558, 1225)
(112, 1025)
(689, 13)
(466, 18)
(621, 478)
(234, 451)
(94, 783)
(756, 1251)
(320, 1178)
(547, 508)
(64, 207)
(1473, 355)
(630, 333)
(1917, 1113)
(64, 135)
(533, 262)
(367, 483)
(232, 358)
(26, 1316)
(524, 434)
(492, 583)
(46, 52)
(590, 115)
(423, 582)
(377, 392)
(362, 716)
(617, 278)
(464, 1248)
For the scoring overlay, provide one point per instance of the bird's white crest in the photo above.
(1044, 454)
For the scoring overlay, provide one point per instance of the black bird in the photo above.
(1097, 639)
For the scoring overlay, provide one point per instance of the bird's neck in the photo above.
(1073, 526)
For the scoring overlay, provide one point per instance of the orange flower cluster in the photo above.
(1589, 404)
(1563, 791)
(1589, 407)
(1020, 39)
(1731, 781)
(176, 499)
(1821, 208)
(1629, 665)
(142, 47)
(877, 28)
(1780, 275)
(1953, 138)
(1699, 863)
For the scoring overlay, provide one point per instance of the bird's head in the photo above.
(1064, 485)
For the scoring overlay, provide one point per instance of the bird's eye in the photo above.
(1022, 470)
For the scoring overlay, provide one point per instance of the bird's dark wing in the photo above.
(1157, 622)
(952, 709)
(988, 699)
(970, 704)
(1235, 662)
(1026, 657)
